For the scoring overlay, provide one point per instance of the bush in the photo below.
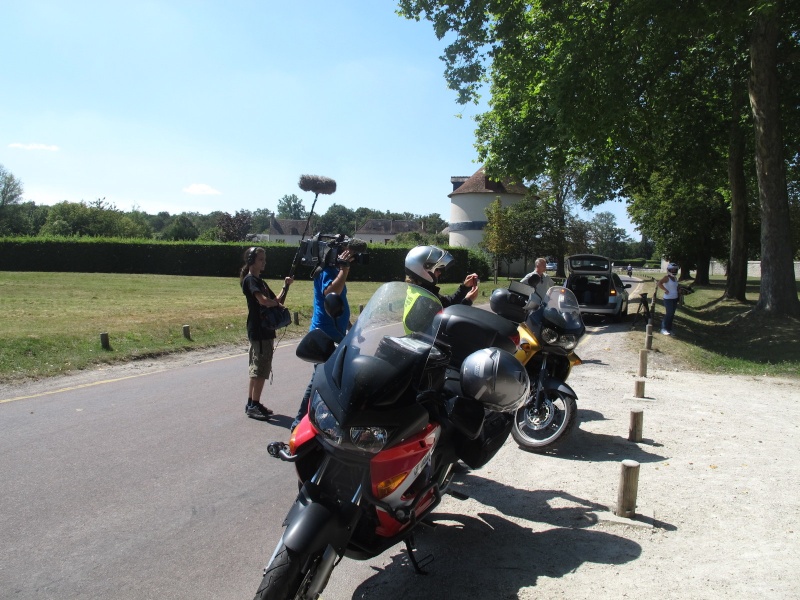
(200, 258)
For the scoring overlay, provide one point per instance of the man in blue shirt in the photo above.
(332, 280)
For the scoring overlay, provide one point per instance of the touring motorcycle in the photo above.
(549, 330)
(391, 413)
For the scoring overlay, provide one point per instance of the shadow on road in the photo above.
(488, 551)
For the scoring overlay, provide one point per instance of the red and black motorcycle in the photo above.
(393, 408)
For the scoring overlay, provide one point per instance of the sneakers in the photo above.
(665, 332)
(256, 410)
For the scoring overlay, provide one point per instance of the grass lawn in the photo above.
(717, 335)
(51, 322)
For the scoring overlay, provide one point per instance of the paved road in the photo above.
(158, 486)
(154, 486)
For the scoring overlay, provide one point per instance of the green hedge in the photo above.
(207, 259)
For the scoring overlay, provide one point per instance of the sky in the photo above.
(198, 106)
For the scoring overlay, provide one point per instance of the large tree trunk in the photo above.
(737, 263)
(778, 289)
(701, 275)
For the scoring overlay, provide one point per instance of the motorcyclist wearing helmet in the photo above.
(424, 266)
(669, 285)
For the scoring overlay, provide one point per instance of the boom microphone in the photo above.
(317, 184)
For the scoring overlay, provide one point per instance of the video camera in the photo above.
(323, 251)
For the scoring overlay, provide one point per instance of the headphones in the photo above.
(250, 257)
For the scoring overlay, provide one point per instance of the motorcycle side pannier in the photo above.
(477, 452)
(467, 329)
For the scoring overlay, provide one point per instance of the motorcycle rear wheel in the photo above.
(283, 578)
(542, 431)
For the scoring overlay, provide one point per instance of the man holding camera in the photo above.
(332, 280)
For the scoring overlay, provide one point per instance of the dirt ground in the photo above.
(718, 512)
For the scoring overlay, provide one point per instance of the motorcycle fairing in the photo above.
(311, 525)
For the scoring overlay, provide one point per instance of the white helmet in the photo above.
(422, 261)
(672, 268)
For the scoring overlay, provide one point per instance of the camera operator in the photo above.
(330, 279)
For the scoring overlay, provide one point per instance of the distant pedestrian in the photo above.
(258, 294)
(669, 285)
(545, 281)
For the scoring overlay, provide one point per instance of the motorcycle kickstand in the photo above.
(418, 565)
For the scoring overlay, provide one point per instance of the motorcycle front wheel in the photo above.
(541, 430)
(283, 578)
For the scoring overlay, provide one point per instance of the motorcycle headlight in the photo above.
(322, 418)
(369, 439)
(568, 342)
(549, 335)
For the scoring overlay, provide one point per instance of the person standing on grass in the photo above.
(258, 294)
(669, 285)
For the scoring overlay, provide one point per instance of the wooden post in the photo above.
(648, 340)
(642, 363)
(360, 308)
(628, 489)
(638, 388)
(296, 318)
(186, 332)
(636, 426)
(104, 341)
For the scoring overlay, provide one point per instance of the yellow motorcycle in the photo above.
(549, 330)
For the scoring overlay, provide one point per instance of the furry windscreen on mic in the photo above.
(357, 246)
(317, 184)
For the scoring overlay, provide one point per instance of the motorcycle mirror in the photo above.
(334, 305)
(315, 347)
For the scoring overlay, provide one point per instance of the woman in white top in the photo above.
(669, 285)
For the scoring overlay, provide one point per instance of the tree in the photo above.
(234, 228)
(630, 89)
(10, 188)
(608, 239)
(496, 239)
(181, 228)
(261, 220)
(524, 221)
(337, 219)
(291, 207)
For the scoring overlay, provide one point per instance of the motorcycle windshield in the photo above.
(561, 309)
(387, 353)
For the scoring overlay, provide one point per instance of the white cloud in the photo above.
(49, 147)
(201, 189)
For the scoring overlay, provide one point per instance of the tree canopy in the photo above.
(620, 91)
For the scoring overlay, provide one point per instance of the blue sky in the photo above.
(201, 106)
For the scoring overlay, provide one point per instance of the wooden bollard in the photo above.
(628, 489)
(187, 332)
(104, 341)
(648, 339)
(636, 426)
(638, 388)
(360, 308)
(642, 363)
(296, 318)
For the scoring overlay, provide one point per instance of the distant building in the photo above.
(470, 198)
(284, 231)
(383, 231)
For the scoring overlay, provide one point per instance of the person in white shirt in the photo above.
(545, 281)
(669, 285)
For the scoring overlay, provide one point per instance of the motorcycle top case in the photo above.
(467, 329)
